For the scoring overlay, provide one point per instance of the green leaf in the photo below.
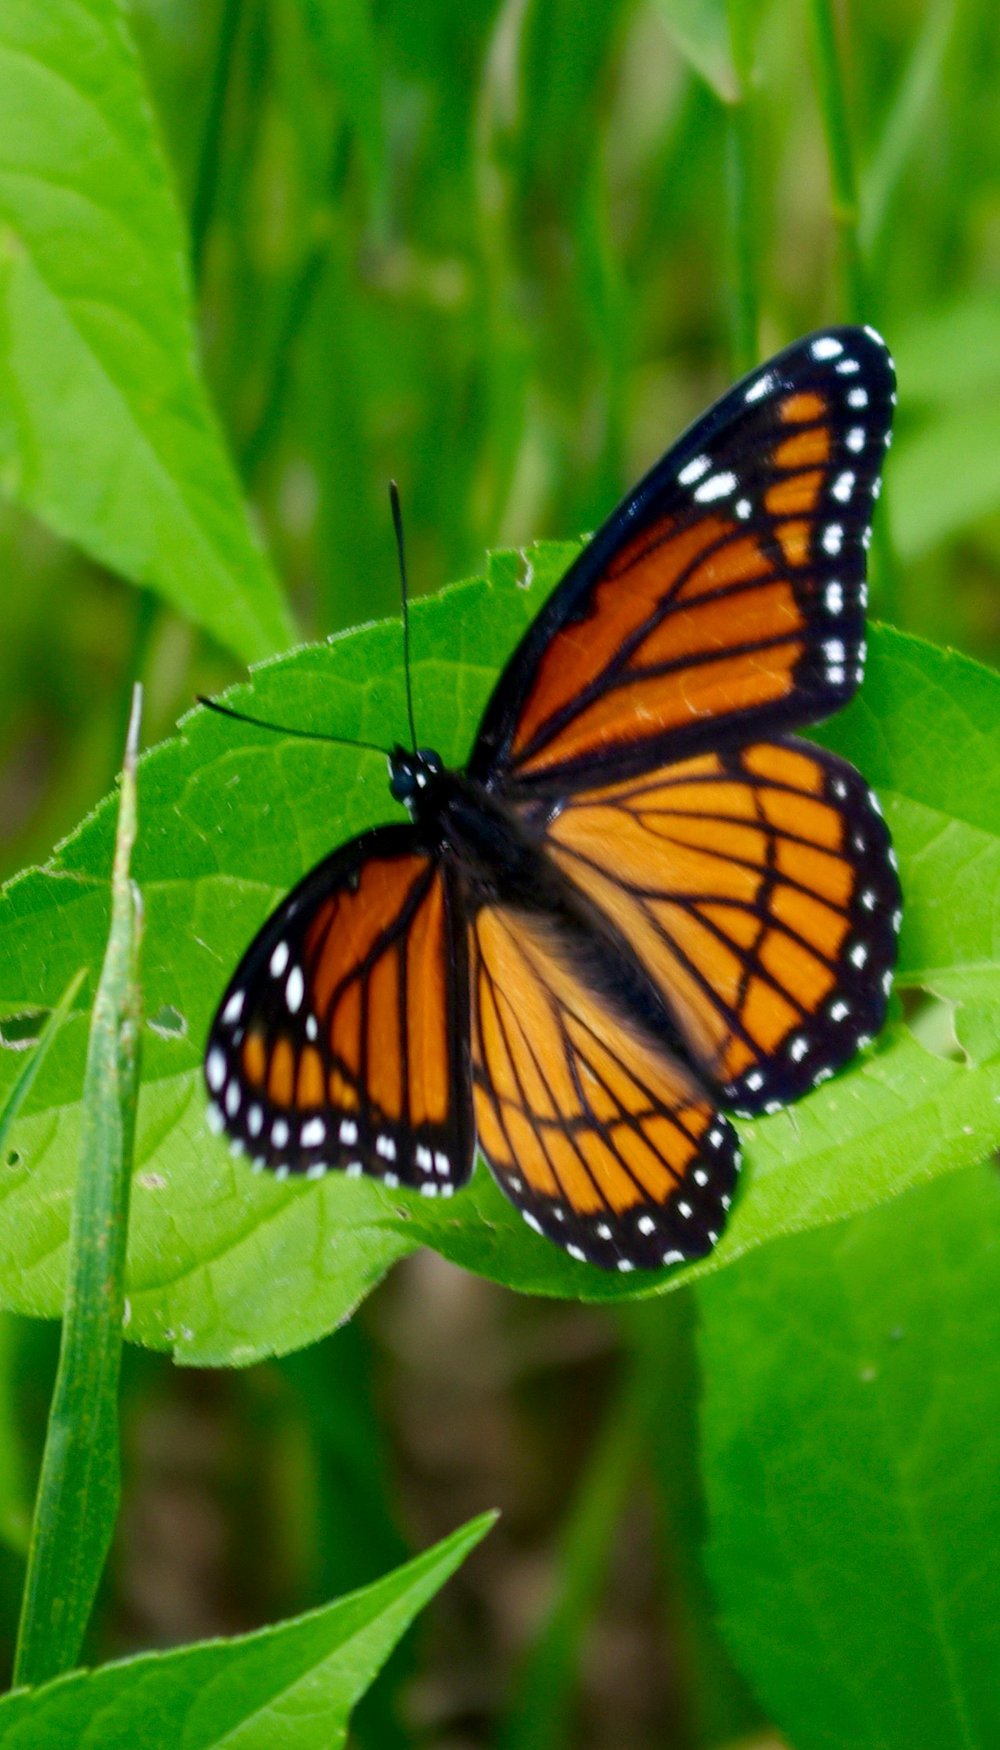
(289, 1687)
(77, 1500)
(851, 1399)
(226, 1266)
(105, 427)
(39, 1051)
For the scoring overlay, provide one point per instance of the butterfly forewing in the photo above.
(342, 1039)
(725, 598)
(602, 1139)
(757, 889)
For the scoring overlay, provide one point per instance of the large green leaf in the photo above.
(851, 1401)
(226, 1266)
(105, 427)
(290, 1687)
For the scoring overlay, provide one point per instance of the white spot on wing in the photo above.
(279, 959)
(215, 1069)
(717, 486)
(826, 347)
(694, 470)
(760, 388)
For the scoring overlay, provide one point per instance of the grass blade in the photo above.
(840, 154)
(906, 119)
(541, 1710)
(79, 1485)
(740, 193)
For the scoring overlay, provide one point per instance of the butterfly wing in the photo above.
(758, 891)
(725, 598)
(342, 1040)
(603, 1139)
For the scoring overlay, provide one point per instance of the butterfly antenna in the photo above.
(397, 523)
(286, 729)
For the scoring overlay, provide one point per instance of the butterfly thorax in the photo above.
(493, 845)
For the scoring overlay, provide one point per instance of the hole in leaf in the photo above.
(168, 1022)
(20, 1032)
(931, 1020)
(13, 1157)
(526, 570)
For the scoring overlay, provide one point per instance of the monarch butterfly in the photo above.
(643, 900)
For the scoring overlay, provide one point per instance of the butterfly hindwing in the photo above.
(342, 1039)
(757, 889)
(601, 1138)
(725, 598)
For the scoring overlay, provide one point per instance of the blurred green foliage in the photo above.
(503, 252)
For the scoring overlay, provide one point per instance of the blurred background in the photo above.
(503, 253)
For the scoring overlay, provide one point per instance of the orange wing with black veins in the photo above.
(602, 1139)
(758, 891)
(342, 1039)
(724, 600)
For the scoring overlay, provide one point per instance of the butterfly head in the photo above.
(413, 776)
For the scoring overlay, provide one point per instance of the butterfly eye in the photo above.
(430, 760)
(402, 783)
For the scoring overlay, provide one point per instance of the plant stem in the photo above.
(843, 181)
(846, 216)
(206, 181)
(740, 195)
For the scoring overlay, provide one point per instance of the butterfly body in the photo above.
(643, 899)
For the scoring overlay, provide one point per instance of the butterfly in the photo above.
(644, 901)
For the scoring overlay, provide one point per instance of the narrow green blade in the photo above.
(78, 1490)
